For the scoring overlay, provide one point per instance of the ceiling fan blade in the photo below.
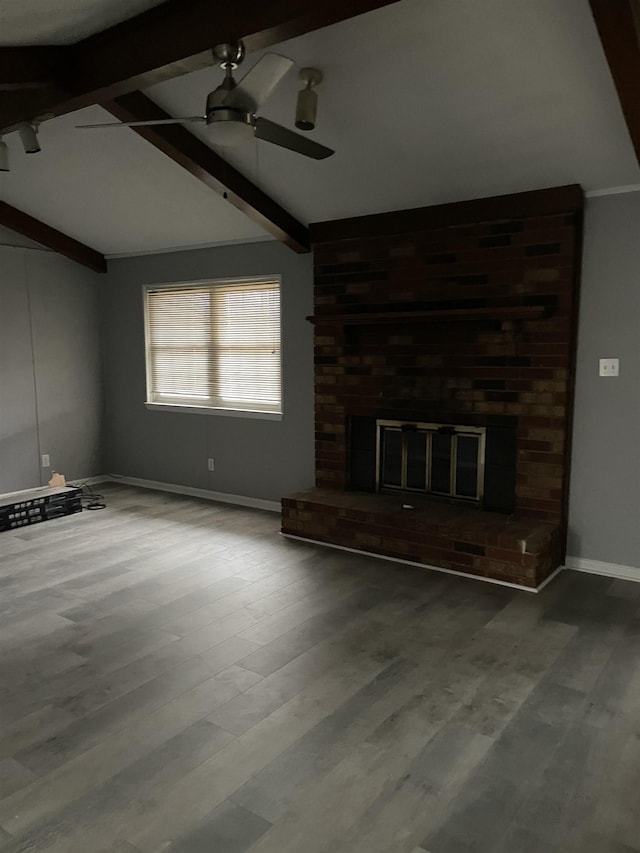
(140, 123)
(258, 83)
(279, 135)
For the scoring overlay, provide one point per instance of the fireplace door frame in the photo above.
(429, 430)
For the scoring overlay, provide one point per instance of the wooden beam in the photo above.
(31, 67)
(175, 38)
(199, 160)
(556, 200)
(32, 228)
(618, 23)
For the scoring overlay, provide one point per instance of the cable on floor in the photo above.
(90, 499)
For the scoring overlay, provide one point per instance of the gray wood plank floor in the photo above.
(174, 675)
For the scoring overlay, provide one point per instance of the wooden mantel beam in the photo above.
(172, 39)
(26, 225)
(31, 67)
(199, 160)
(618, 23)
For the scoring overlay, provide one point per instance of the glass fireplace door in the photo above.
(431, 459)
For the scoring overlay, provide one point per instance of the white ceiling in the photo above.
(63, 21)
(114, 191)
(425, 102)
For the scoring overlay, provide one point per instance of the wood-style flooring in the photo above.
(176, 676)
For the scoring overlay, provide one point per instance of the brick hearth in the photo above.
(487, 544)
(460, 314)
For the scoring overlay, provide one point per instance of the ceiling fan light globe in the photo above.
(231, 134)
(306, 109)
(4, 157)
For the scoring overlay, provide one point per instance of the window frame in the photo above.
(235, 411)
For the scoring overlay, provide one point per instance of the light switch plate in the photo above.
(609, 367)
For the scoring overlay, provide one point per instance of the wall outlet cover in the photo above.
(609, 367)
(46, 462)
(211, 465)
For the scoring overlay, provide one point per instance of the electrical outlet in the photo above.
(211, 465)
(609, 367)
(46, 462)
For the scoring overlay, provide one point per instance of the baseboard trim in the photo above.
(548, 580)
(89, 481)
(220, 497)
(426, 565)
(610, 570)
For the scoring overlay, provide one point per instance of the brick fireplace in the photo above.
(451, 319)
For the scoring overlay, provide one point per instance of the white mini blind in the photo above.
(215, 345)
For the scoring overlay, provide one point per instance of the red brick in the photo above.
(437, 363)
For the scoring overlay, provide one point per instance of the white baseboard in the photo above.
(89, 481)
(427, 566)
(548, 580)
(221, 497)
(596, 567)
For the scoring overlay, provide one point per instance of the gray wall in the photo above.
(604, 507)
(253, 458)
(50, 375)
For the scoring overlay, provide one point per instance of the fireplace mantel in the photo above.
(507, 312)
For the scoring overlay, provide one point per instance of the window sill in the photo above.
(206, 410)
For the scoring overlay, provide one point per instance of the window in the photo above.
(215, 345)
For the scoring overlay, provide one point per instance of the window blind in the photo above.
(215, 345)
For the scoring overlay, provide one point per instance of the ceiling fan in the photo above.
(232, 106)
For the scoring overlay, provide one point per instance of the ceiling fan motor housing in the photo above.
(217, 115)
(215, 99)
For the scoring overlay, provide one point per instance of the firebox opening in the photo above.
(432, 459)
(475, 465)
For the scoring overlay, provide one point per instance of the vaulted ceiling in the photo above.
(425, 102)
(25, 22)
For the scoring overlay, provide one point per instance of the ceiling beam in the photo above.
(31, 67)
(547, 202)
(175, 38)
(618, 23)
(32, 228)
(199, 160)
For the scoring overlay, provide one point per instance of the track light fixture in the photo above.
(307, 104)
(28, 132)
(29, 138)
